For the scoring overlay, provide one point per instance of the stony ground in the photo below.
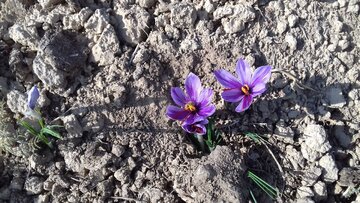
(105, 69)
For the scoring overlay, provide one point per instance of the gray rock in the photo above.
(320, 191)
(281, 26)
(106, 47)
(72, 126)
(233, 18)
(17, 183)
(293, 20)
(330, 170)
(25, 35)
(295, 157)
(183, 15)
(34, 185)
(335, 97)
(146, 3)
(118, 150)
(42, 198)
(209, 6)
(132, 24)
(284, 132)
(17, 102)
(77, 21)
(122, 175)
(48, 3)
(310, 176)
(303, 192)
(291, 41)
(349, 176)
(61, 55)
(315, 142)
(97, 22)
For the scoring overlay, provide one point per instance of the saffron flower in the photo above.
(33, 96)
(193, 107)
(246, 86)
(197, 128)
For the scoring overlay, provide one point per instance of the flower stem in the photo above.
(201, 141)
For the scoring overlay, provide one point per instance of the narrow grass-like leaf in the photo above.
(252, 197)
(266, 187)
(51, 132)
(30, 129)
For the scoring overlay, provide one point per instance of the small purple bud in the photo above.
(33, 96)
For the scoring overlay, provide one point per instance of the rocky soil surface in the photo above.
(105, 69)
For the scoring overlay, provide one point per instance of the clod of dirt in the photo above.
(234, 17)
(34, 185)
(214, 178)
(25, 35)
(132, 24)
(183, 15)
(72, 126)
(330, 169)
(61, 55)
(77, 21)
(315, 142)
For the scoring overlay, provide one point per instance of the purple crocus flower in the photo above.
(194, 106)
(198, 127)
(33, 96)
(244, 87)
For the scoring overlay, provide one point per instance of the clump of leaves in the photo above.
(43, 134)
(210, 139)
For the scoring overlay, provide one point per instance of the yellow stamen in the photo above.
(245, 89)
(190, 107)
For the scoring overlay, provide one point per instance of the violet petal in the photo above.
(261, 75)
(243, 71)
(226, 79)
(178, 96)
(258, 89)
(193, 86)
(33, 96)
(206, 97)
(176, 113)
(232, 95)
(244, 104)
(207, 111)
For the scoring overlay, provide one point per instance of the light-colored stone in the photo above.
(78, 20)
(320, 191)
(25, 35)
(291, 41)
(303, 192)
(310, 176)
(146, 3)
(234, 17)
(330, 170)
(72, 126)
(33, 185)
(106, 47)
(132, 24)
(315, 142)
(183, 15)
(48, 3)
(281, 26)
(293, 20)
(97, 22)
(17, 102)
